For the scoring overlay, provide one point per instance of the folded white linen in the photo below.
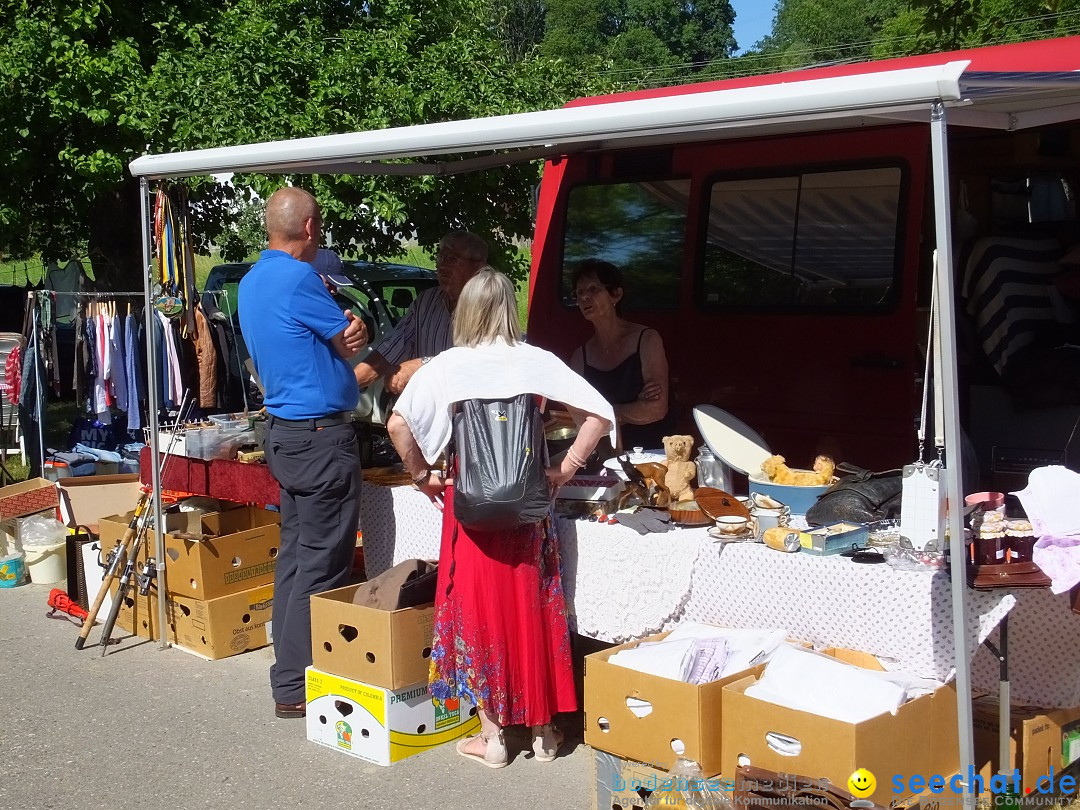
(709, 655)
(810, 682)
(1052, 501)
(746, 647)
(665, 659)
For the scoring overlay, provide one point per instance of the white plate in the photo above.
(644, 457)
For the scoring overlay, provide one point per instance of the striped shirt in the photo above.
(425, 331)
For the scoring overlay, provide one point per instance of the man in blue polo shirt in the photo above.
(300, 340)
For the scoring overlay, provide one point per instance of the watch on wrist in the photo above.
(422, 479)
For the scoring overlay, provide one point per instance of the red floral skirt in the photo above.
(501, 638)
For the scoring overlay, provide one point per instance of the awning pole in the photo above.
(152, 406)
(947, 377)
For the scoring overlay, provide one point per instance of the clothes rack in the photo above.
(35, 296)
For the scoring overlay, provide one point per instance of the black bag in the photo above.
(860, 497)
(501, 459)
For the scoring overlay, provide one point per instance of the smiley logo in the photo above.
(862, 783)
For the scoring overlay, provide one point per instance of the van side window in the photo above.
(807, 241)
(641, 227)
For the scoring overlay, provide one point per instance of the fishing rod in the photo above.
(135, 529)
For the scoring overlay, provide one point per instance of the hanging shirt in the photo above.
(117, 362)
(131, 373)
(207, 360)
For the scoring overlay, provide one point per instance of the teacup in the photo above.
(768, 519)
(731, 524)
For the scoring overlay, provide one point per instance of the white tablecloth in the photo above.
(621, 585)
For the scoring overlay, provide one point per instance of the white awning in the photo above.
(528, 136)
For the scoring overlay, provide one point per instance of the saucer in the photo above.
(745, 536)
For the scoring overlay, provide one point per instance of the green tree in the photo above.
(88, 86)
(640, 41)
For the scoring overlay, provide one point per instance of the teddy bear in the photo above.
(680, 469)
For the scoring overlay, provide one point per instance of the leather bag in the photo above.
(860, 496)
(762, 789)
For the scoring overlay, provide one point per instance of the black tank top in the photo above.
(621, 385)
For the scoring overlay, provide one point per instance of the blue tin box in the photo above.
(834, 538)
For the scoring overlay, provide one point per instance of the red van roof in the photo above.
(1041, 56)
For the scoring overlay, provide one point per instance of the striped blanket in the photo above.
(1008, 290)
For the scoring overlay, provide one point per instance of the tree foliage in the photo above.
(640, 41)
(89, 85)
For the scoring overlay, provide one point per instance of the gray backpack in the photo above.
(501, 457)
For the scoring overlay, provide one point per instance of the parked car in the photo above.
(380, 294)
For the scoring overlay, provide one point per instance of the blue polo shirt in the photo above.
(288, 320)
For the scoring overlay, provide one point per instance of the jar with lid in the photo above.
(711, 471)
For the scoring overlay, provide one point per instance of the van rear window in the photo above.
(816, 240)
(640, 227)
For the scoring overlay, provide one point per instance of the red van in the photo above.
(788, 268)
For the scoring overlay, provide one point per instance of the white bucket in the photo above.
(47, 564)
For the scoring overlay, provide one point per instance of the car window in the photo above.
(640, 227)
(802, 241)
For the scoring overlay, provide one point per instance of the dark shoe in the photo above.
(290, 710)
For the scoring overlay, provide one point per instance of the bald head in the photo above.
(293, 221)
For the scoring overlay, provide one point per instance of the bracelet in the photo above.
(422, 479)
(574, 458)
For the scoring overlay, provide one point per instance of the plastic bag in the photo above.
(698, 792)
(39, 531)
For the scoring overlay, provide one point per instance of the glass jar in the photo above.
(711, 471)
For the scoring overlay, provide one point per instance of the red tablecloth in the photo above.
(228, 480)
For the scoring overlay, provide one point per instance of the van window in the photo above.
(813, 240)
(640, 227)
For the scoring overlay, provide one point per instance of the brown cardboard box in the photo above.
(920, 739)
(213, 629)
(387, 648)
(1035, 744)
(27, 498)
(682, 711)
(239, 555)
(84, 501)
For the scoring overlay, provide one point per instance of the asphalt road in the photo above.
(162, 728)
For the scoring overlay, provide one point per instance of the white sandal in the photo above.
(547, 740)
(495, 755)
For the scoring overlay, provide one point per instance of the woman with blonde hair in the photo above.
(500, 633)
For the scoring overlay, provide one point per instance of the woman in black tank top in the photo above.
(624, 361)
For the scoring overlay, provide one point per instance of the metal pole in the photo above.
(152, 405)
(947, 377)
(39, 403)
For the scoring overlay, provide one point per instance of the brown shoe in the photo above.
(290, 710)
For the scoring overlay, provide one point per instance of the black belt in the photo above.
(340, 418)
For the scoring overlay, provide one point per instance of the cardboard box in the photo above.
(212, 629)
(85, 501)
(621, 783)
(921, 738)
(1036, 740)
(27, 498)
(379, 725)
(239, 554)
(680, 711)
(387, 648)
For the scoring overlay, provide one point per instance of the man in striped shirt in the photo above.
(426, 329)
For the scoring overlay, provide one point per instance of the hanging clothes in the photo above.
(206, 358)
(117, 362)
(101, 369)
(13, 374)
(132, 401)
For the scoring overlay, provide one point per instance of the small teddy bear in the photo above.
(680, 469)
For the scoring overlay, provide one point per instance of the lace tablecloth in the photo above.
(619, 585)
